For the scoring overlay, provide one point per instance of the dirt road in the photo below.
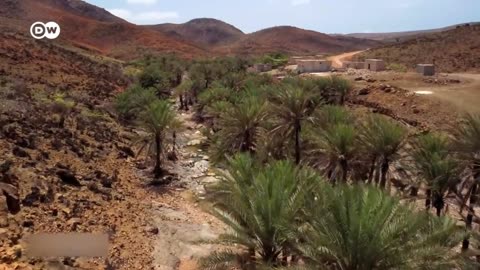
(337, 60)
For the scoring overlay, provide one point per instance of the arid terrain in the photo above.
(455, 50)
(72, 161)
(403, 36)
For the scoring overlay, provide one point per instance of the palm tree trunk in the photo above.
(376, 176)
(185, 101)
(439, 210)
(344, 166)
(428, 201)
(383, 177)
(158, 172)
(372, 170)
(298, 129)
(195, 95)
(414, 191)
(182, 107)
(471, 212)
(247, 142)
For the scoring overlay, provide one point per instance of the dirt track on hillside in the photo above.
(337, 60)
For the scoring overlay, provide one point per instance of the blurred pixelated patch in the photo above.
(67, 245)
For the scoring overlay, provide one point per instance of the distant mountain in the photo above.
(84, 9)
(203, 32)
(402, 36)
(293, 40)
(457, 49)
(93, 28)
(87, 26)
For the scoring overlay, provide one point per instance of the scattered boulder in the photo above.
(68, 177)
(194, 142)
(11, 197)
(107, 182)
(363, 92)
(152, 230)
(5, 167)
(125, 151)
(28, 223)
(74, 222)
(20, 152)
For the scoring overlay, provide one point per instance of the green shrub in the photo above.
(397, 67)
(131, 102)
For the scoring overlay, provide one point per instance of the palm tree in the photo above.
(217, 93)
(330, 115)
(362, 228)
(382, 139)
(339, 143)
(340, 87)
(291, 106)
(434, 162)
(175, 127)
(260, 206)
(240, 128)
(131, 102)
(467, 144)
(157, 119)
(182, 91)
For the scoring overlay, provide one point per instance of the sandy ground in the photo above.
(464, 96)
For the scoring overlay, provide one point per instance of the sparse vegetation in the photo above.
(62, 106)
(442, 49)
(275, 59)
(397, 67)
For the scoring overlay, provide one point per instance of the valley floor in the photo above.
(177, 210)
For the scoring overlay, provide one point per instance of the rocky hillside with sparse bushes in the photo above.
(456, 50)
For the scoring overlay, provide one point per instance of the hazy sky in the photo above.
(329, 16)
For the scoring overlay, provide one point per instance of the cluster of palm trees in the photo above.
(283, 215)
(309, 180)
(146, 105)
(302, 124)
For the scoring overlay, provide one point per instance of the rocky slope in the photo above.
(295, 41)
(456, 50)
(93, 28)
(78, 176)
(406, 35)
(204, 32)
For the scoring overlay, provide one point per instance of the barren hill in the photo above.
(294, 40)
(93, 28)
(88, 26)
(402, 36)
(454, 50)
(205, 32)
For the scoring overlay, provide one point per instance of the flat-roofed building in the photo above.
(313, 65)
(354, 65)
(426, 69)
(375, 64)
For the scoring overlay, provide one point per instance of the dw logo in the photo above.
(50, 30)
